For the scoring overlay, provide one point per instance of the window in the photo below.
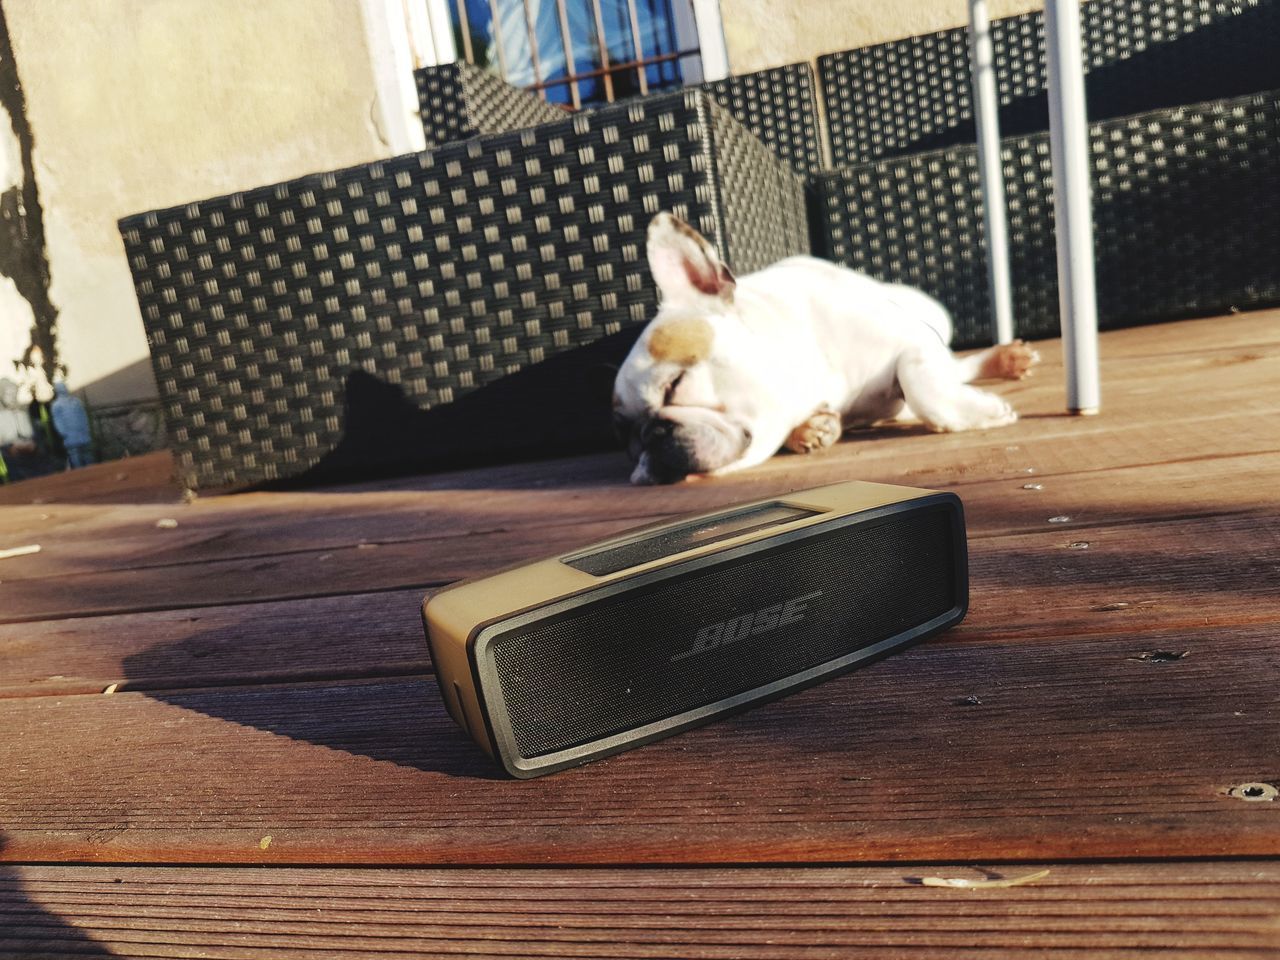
(575, 52)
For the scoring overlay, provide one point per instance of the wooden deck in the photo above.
(221, 738)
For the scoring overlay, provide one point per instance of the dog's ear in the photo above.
(684, 265)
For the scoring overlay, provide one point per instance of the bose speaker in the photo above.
(658, 630)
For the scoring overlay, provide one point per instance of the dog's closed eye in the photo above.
(669, 397)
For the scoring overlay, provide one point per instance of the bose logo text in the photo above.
(716, 635)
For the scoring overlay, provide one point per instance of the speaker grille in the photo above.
(635, 658)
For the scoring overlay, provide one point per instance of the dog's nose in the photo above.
(670, 448)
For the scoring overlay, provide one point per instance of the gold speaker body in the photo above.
(578, 656)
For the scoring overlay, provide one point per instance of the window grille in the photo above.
(574, 52)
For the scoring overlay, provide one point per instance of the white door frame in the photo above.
(401, 36)
(698, 25)
(710, 39)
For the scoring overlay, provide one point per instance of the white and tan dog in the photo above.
(730, 371)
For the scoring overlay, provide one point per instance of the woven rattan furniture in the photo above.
(377, 317)
(1179, 189)
(914, 94)
(1186, 213)
(457, 101)
(780, 106)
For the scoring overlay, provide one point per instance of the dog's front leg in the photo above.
(820, 431)
(931, 384)
(768, 434)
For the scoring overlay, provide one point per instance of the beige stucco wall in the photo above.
(767, 33)
(139, 104)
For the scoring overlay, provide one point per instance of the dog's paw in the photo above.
(976, 410)
(818, 432)
(1010, 361)
(1001, 419)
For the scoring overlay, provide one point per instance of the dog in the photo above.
(730, 370)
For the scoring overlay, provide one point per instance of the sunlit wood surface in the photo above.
(219, 734)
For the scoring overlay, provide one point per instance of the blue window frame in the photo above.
(575, 52)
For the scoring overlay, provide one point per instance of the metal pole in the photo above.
(986, 114)
(642, 72)
(499, 38)
(603, 50)
(570, 67)
(533, 51)
(468, 53)
(1069, 143)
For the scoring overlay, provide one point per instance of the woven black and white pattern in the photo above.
(780, 106)
(342, 321)
(1186, 219)
(458, 100)
(914, 94)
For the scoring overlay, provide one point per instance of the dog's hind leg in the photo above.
(818, 432)
(1006, 361)
(933, 390)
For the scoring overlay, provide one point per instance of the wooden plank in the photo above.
(1188, 552)
(257, 525)
(346, 637)
(260, 524)
(77, 539)
(977, 749)
(143, 479)
(1138, 426)
(1202, 910)
(1215, 342)
(1134, 576)
(1236, 331)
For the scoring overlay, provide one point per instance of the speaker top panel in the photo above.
(456, 611)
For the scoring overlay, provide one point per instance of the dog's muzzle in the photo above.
(678, 441)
